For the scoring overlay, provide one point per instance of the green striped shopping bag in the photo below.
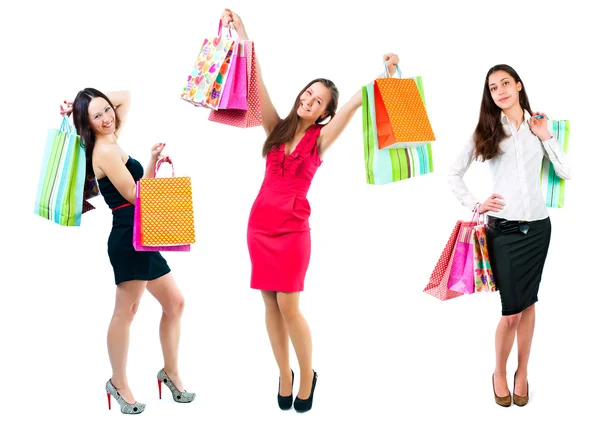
(62, 177)
(385, 166)
(553, 187)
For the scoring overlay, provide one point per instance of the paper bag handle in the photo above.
(229, 27)
(387, 73)
(160, 162)
(66, 126)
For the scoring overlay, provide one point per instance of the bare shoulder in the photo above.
(105, 151)
(105, 155)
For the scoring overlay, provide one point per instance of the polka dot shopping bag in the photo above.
(401, 117)
(384, 166)
(438, 282)
(164, 213)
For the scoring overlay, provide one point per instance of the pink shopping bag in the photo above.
(235, 88)
(252, 116)
(462, 273)
(438, 282)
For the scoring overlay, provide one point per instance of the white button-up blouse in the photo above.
(515, 172)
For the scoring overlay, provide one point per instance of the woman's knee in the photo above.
(126, 311)
(289, 309)
(174, 308)
(511, 321)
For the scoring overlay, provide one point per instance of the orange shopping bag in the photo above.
(166, 210)
(401, 117)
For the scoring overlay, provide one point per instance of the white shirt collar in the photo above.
(505, 121)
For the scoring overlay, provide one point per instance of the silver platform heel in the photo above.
(126, 408)
(180, 397)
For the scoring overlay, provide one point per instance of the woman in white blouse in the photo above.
(514, 141)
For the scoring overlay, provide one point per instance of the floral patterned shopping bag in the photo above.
(205, 81)
(484, 278)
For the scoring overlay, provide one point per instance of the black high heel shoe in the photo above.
(285, 402)
(303, 405)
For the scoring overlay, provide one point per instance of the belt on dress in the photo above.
(124, 205)
(505, 224)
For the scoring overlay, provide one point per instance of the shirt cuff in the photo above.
(549, 140)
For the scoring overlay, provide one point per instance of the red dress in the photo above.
(278, 230)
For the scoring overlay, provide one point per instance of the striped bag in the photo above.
(385, 166)
(553, 187)
(60, 196)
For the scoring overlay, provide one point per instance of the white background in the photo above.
(384, 350)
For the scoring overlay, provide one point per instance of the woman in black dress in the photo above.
(514, 141)
(98, 119)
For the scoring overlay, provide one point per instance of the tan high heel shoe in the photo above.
(520, 400)
(504, 400)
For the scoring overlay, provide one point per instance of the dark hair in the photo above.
(286, 128)
(81, 120)
(489, 131)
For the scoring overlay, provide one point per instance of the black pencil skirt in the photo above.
(518, 251)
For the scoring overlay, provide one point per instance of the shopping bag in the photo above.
(90, 191)
(235, 88)
(400, 113)
(484, 277)
(164, 213)
(61, 181)
(205, 81)
(385, 166)
(438, 282)
(462, 272)
(553, 187)
(252, 116)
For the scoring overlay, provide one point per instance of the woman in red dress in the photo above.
(278, 228)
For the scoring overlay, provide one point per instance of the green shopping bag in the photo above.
(553, 187)
(385, 166)
(61, 183)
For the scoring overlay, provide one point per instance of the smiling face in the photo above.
(101, 116)
(313, 102)
(504, 89)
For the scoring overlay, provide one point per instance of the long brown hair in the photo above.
(81, 119)
(489, 131)
(286, 128)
